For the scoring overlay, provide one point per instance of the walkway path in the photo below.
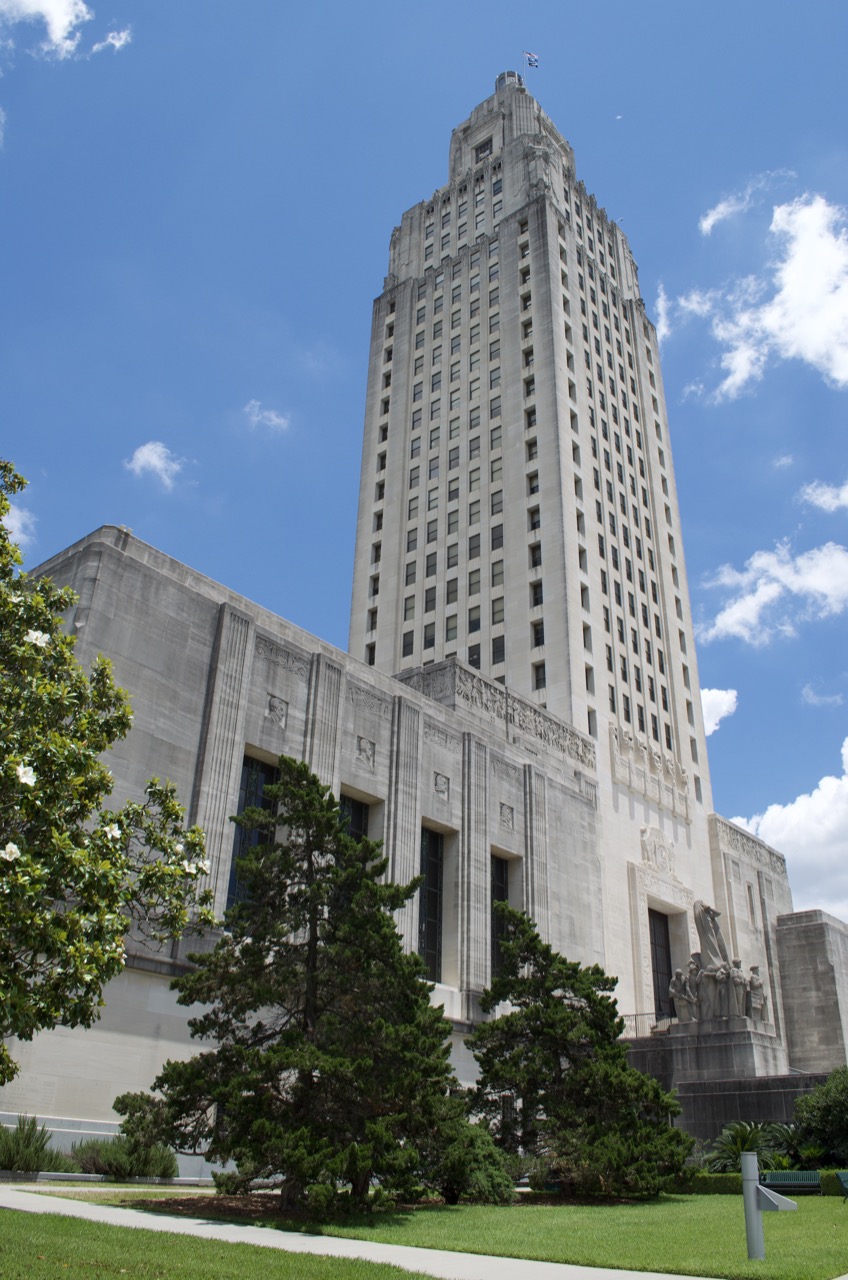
(433, 1262)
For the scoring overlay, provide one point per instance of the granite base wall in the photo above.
(709, 1105)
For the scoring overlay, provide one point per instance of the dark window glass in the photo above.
(430, 910)
(256, 775)
(500, 893)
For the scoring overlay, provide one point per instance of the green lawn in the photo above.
(43, 1247)
(693, 1235)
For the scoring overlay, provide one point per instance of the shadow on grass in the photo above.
(262, 1209)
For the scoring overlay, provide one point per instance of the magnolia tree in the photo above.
(75, 877)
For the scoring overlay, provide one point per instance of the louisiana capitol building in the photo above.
(519, 713)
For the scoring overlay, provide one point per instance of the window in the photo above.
(474, 656)
(408, 641)
(474, 546)
(411, 539)
(497, 503)
(256, 775)
(498, 650)
(409, 576)
(474, 618)
(497, 611)
(414, 476)
(498, 573)
(451, 591)
(430, 903)
(432, 530)
(535, 555)
(430, 600)
(536, 594)
(497, 537)
(474, 582)
(450, 628)
(431, 564)
(452, 555)
(538, 634)
(474, 511)
(429, 635)
(540, 679)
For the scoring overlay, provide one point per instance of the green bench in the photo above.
(792, 1179)
(843, 1182)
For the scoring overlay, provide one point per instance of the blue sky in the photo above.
(196, 201)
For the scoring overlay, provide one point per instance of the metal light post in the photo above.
(758, 1200)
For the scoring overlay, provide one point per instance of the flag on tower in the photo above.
(532, 59)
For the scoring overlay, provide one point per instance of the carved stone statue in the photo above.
(722, 991)
(685, 1001)
(713, 946)
(756, 996)
(738, 990)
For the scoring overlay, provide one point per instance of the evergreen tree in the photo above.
(822, 1116)
(329, 1066)
(75, 877)
(554, 1081)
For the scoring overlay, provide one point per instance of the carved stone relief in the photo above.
(366, 752)
(661, 778)
(507, 817)
(364, 699)
(477, 692)
(280, 656)
(731, 837)
(441, 738)
(277, 711)
(657, 851)
(441, 786)
(505, 771)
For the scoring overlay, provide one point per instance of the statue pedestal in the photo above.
(724, 1049)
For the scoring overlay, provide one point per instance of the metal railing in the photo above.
(637, 1025)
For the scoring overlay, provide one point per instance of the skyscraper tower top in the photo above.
(517, 502)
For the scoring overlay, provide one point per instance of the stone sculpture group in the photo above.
(715, 986)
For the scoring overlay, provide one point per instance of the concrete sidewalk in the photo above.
(433, 1262)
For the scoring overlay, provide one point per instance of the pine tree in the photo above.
(329, 1065)
(554, 1081)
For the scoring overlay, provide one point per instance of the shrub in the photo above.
(698, 1183)
(120, 1159)
(822, 1116)
(26, 1149)
(739, 1136)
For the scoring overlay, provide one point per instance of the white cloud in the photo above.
(156, 458)
(115, 40)
(782, 461)
(827, 497)
(21, 525)
(777, 590)
(812, 831)
(663, 315)
(796, 309)
(2, 125)
(813, 699)
(716, 704)
(739, 201)
(62, 19)
(259, 417)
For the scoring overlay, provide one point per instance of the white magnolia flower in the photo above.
(40, 638)
(10, 853)
(190, 868)
(26, 775)
(204, 866)
(178, 849)
(112, 832)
